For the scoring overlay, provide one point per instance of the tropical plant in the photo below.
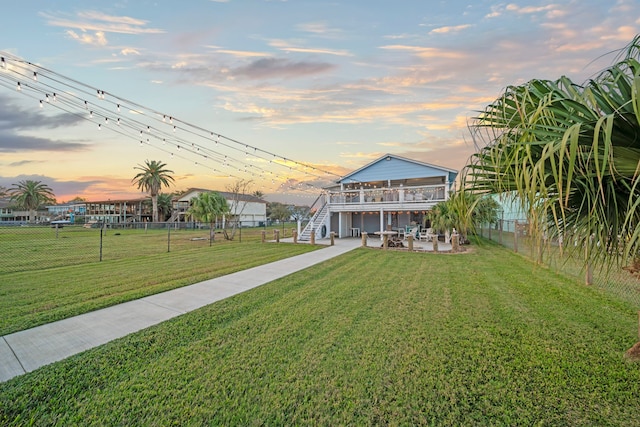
(207, 207)
(465, 212)
(30, 195)
(278, 211)
(165, 205)
(571, 154)
(151, 179)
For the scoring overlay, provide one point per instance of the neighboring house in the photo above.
(248, 210)
(119, 211)
(67, 211)
(510, 211)
(390, 192)
(8, 213)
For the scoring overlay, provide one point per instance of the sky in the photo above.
(286, 94)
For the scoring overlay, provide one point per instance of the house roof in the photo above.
(397, 168)
(142, 199)
(227, 195)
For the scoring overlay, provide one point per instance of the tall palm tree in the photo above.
(30, 195)
(151, 179)
(571, 154)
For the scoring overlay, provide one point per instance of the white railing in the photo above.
(419, 194)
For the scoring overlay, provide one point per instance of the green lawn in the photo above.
(31, 298)
(36, 248)
(369, 338)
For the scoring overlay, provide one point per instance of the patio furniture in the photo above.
(413, 231)
(426, 235)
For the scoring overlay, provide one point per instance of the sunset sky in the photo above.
(289, 94)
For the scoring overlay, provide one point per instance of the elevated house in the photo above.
(247, 210)
(119, 211)
(388, 193)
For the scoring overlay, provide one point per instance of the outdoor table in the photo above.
(384, 235)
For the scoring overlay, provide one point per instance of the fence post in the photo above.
(295, 236)
(101, 228)
(363, 235)
(489, 231)
(313, 237)
(589, 273)
(333, 234)
(168, 237)
(515, 237)
(277, 235)
(501, 228)
(264, 235)
(410, 242)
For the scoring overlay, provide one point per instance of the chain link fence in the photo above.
(36, 247)
(514, 234)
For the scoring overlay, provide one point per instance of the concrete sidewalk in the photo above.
(27, 350)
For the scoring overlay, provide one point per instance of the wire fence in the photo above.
(37, 247)
(514, 234)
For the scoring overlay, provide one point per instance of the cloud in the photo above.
(13, 143)
(268, 68)
(319, 29)
(24, 162)
(425, 52)
(287, 47)
(451, 29)
(91, 187)
(97, 39)
(87, 21)
(14, 119)
(129, 51)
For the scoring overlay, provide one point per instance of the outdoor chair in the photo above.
(412, 231)
(426, 234)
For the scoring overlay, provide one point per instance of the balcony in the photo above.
(392, 198)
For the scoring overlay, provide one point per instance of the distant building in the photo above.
(119, 211)
(248, 210)
(67, 211)
(8, 213)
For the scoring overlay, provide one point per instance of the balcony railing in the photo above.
(422, 194)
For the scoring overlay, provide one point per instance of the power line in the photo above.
(149, 127)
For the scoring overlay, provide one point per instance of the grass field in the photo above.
(31, 298)
(36, 248)
(369, 338)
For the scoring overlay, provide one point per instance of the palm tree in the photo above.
(165, 205)
(571, 154)
(152, 178)
(207, 207)
(30, 195)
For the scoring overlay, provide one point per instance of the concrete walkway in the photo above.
(27, 350)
